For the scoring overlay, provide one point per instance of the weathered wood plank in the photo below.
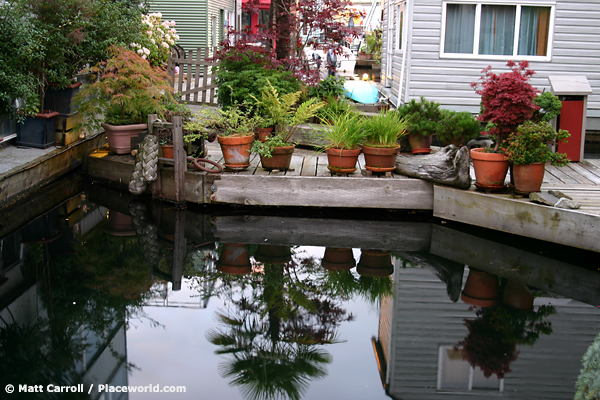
(590, 167)
(309, 166)
(325, 192)
(387, 235)
(568, 227)
(295, 166)
(322, 164)
(579, 173)
(513, 263)
(561, 174)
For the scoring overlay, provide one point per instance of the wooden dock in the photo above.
(309, 183)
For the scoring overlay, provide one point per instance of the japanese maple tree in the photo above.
(507, 99)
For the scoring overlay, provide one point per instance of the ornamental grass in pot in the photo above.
(381, 140)
(277, 149)
(341, 140)
(125, 89)
(528, 150)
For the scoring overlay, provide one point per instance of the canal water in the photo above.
(116, 298)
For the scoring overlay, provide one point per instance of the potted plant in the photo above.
(165, 135)
(381, 144)
(528, 149)
(457, 128)
(330, 87)
(342, 137)
(276, 151)
(334, 107)
(507, 101)
(125, 89)
(235, 134)
(422, 120)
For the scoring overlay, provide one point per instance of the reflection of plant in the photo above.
(494, 334)
(588, 382)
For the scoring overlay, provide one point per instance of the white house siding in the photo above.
(575, 51)
(425, 318)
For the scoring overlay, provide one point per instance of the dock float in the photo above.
(309, 183)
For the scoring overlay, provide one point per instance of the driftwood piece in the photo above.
(449, 166)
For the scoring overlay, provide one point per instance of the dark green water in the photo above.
(108, 292)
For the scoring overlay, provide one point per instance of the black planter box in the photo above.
(59, 100)
(37, 131)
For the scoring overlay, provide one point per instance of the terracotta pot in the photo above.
(527, 178)
(168, 151)
(490, 169)
(270, 254)
(336, 259)
(119, 136)
(342, 160)
(236, 150)
(420, 144)
(380, 159)
(119, 224)
(517, 295)
(281, 158)
(234, 259)
(263, 133)
(375, 263)
(481, 289)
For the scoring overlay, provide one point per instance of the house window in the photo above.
(496, 30)
(399, 24)
(455, 373)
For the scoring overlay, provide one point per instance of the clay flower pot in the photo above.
(420, 144)
(263, 133)
(490, 169)
(342, 160)
(481, 289)
(281, 158)
(119, 136)
(517, 295)
(119, 224)
(236, 150)
(270, 254)
(234, 259)
(168, 151)
(380, 159)
(527, 178)
(375, 263)
(337, 259)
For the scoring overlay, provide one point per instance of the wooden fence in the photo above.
(194, 78)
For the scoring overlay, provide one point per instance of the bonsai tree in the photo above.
(507, 100)
(457, 127)
(588, 382)
(531, 142)
(549, 107)
(125, 89)
(422, 117)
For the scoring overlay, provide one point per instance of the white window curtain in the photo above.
(497, 31)
(460, 28)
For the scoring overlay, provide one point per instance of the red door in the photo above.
(571, 120)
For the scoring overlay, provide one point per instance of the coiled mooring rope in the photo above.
(146, 165)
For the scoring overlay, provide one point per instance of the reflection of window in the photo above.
(455, 373)
(399, 24)
(496, 30)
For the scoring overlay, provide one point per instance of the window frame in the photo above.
(515, 55)
(400, 34)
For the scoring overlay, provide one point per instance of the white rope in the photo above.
(146, 165)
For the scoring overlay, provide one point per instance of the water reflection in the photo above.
(86, 293)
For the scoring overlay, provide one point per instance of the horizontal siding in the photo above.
(575, 51)
(191, 18)
(424, 318)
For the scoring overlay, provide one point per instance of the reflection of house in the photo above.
(437, 48)
(417, 339)
(102, 357)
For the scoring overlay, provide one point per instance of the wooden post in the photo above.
(179, 158)
(179, 249)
